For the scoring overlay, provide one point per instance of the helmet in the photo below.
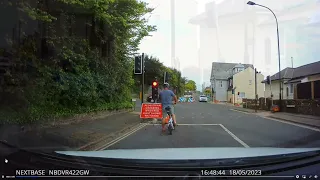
(166, 85)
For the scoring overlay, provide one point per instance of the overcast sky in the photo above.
(159, 44)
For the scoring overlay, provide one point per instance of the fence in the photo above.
(299, 106)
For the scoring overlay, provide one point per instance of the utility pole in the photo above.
(173, 34)
(234, 96)
(255, 89)
(142, 78)
(292, 62)
(271, 91)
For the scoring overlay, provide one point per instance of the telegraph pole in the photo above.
(142, 78)
(173, 34)
(255, 88)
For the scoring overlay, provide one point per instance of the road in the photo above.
(214, 125)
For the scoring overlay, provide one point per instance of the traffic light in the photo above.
(155, 90)
(166, 77)
(138, 65)
(268, 80)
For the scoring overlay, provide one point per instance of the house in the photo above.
(243, 85)
(302, 82)
(274, 87)
(226, 77)
(306, 81)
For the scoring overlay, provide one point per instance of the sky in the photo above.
(159, 43)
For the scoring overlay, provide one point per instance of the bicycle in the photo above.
(169, 120)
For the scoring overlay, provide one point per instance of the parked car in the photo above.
(203, 98)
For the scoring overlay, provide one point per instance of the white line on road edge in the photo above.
(140, 126)
(283, 121)
(190, 124)
(234, 136)
(239, 111)
(294, 124)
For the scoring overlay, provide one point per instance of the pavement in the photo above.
(72, 136)
(199, 125)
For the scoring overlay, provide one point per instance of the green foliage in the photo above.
(154, 69)
(76, 79)
(191, 85)
(207, 91)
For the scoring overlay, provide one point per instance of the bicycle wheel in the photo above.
(170, 128)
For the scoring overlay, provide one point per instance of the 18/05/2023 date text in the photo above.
(232, 172)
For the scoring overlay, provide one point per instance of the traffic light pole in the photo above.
(142, 78)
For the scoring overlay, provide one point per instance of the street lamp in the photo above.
(252, 4)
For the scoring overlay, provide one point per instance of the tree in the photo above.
(154, 69)
(68, 72)
(191, 85)
(207, 91)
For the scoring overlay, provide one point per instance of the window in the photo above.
(242, 95)
(250, 82)
(291, 88)
(220, 83)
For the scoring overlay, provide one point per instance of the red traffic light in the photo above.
(154, 84)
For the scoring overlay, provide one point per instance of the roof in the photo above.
(298, 73)
(221, 70)
(306, 70)
(286, 73)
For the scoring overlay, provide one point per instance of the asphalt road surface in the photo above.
(213, 125)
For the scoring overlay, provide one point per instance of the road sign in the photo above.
(151, 110)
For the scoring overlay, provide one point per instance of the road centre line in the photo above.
(234, 136)
(138, 127)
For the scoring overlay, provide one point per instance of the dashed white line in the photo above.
(235, 137)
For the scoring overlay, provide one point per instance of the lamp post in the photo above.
(252, 4)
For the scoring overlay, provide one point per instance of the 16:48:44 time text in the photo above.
(207, 172)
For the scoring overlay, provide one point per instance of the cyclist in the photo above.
(167, 97)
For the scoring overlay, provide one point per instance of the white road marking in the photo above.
(192, 124)
(234, 136)
(294, 124)
(239, 111)
(140, 126)
(283, 121)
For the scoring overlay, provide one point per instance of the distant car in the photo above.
(203, 98)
